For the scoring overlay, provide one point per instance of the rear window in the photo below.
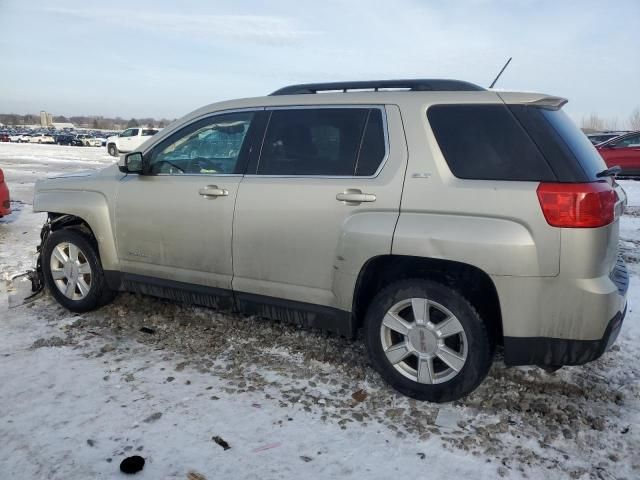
(147, 132)
(486, 142)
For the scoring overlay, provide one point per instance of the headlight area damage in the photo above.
(35, 275)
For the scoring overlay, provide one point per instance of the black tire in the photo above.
(478, 345)
(99, 293)
(112, 149)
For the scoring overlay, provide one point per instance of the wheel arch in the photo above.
(84, 210)
(472, 282)
(114, 145)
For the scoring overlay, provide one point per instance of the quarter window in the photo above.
(209, 146)
(486, 142)
(323, 141)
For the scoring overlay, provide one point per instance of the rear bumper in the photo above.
(555, 352)
(580, 316)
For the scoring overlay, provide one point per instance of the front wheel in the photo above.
(113, 150)
(427, 341)
(73, 272)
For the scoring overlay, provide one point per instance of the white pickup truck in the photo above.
(129, 139)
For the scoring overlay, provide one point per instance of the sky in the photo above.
(140, 58)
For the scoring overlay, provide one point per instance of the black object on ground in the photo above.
(132, 464)
(147, 330)
(220, 441)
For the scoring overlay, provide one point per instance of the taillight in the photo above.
(1, 176)
(577, 205)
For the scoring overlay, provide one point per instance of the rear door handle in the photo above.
(354, 196)
(212, 191)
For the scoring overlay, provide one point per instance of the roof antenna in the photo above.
(503, 69)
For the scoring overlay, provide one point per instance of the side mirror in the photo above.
(131, 163)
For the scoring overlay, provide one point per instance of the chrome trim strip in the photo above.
(196, 175)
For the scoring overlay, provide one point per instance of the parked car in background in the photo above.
(129, 140)
(4, 137)
(622, 151)
(66, 139)
(441, 218)
(102, 140)
(15, 137)
(24, 138)
(597, 138)
(5, 202)
(42, 138)
(88, 141)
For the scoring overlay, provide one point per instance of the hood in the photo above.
(78, 180)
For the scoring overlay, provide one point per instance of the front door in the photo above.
(174, 222)
(324, 173)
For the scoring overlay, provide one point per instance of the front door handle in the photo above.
(353, 196)
(212, 191)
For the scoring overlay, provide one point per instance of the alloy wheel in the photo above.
(71, 271)
(424, 341)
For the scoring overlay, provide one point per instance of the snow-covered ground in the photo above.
(78, 393)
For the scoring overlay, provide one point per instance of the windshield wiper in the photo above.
(609, 172)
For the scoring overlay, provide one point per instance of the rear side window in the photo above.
(323, 141)
(373, 147)
(486, 142)
(148, 132)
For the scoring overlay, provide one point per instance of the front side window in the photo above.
(209, 146)
(323, 141)
(127, 133)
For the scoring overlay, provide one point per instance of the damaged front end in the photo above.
(35, 275)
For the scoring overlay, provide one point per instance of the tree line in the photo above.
(84, 121)
(595, 122)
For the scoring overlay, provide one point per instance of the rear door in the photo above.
(126, 140)
(322, 173)
(144, 135)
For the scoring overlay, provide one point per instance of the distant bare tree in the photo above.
(634, 119)
(593, 122)
(596, 123)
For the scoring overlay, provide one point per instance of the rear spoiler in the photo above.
(548, 102)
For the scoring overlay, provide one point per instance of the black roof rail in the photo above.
(414, 85)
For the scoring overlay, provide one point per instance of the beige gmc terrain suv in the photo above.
(440, 218)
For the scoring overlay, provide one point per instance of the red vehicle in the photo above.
(623, 151)
(4, 137)
(5, 205)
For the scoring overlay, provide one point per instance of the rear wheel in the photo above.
(113, 150)
(427, 341)
(73, 272)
